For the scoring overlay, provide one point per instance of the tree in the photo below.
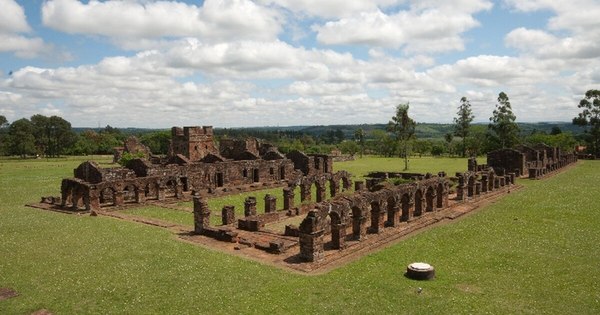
(504, 130)
(403, 127)
(52, 134)
(462, 122)
(21, 139)
(359, 137)
(383, 144)
(3, 135)
(590, 119)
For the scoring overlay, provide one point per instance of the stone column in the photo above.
(393, 218)
(334, 188)
(311, 238)
(160, 192)
(228, 215)
(321, 192)
(338, 236)
(119, 198)
(201, 214)
(477, 188)
(305, 193)
(460, 189)
(484, 183)
(270, 203)
(250, 206)
(178, 191)
(288, 198)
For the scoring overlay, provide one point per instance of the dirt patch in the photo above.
(469, 288)
(7, 293)
(42, 312)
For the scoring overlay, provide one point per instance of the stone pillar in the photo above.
(178, 191)
(477, 188)
(484, 183)
(393, 218)
(321, 193)
(288, 198)
(472, 164)
(460, 189)
(94, 199)
(311, 238)
(270, 203)
(228, 215)
(359, 227)
(201, 214)
(338, 236)
(377, 219)
(502, 181)
(359, 185)
(513, 177)
(496, 182)
(250, 206)
(346, 183)
(160, 192)
(334, 188)
(140, 197)
(119, 198)
(471, 187)
(305, 193)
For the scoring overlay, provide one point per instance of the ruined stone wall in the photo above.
(234, 148)
(509, 160)
(192, 142)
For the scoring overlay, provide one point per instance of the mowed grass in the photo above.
(534, 251)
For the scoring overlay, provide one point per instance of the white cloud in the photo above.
(546, 45)
(214, 20)
(12, 24)
(433, 26)
(12, 18)
(331, 8)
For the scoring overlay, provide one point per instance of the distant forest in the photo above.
(53, 136)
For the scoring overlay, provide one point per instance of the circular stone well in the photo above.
(420, 271)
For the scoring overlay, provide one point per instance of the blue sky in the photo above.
(227, 63)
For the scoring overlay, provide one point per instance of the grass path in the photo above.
(533, 252)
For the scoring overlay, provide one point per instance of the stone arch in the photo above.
(171, 188)
(418, 203)
(130, 193)
(108, 197)
(151, 190)
(429, 199)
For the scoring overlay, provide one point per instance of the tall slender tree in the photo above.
(403, 128)
(504, 130)
(359, 137)
(590, 118)
(462, 122)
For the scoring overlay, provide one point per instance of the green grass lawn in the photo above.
(534, 252)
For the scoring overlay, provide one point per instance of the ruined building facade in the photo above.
(194, 163)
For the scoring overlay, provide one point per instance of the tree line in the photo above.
(53, 136)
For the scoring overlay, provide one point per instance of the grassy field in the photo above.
(535, 251)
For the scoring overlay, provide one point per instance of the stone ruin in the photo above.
(196, 168)
(194, 163)
(533, 162)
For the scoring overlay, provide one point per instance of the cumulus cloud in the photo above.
(13, 24)
(331, 8)
(433, 26)
(214, 20)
